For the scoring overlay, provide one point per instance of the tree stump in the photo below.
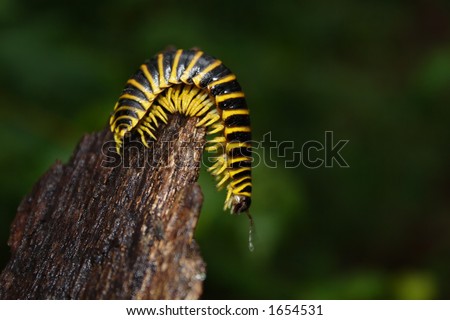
(95, 228)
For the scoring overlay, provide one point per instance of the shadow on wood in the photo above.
(99, 229)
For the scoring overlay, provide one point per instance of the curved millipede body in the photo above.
(195, 84)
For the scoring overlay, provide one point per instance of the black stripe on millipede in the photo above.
(215, 74)
(132, 90)
(241, 174)
(204, 61)
(240, 152)
(240, 136)
(247, 189)
(232, 104)
(126, 112)
(123, 121)
(152, 66)
(185, 58)
(140, 77)
(167, 64)
(227, 87)
(238, 120)
(201, 64)
(130, 103)
(246, 180)
(241, 164)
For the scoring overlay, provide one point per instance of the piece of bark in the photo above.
(97, 229)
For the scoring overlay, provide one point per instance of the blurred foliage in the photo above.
(376, 73)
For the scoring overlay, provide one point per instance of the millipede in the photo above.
(194, 84)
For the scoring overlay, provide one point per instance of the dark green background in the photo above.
(374, 72)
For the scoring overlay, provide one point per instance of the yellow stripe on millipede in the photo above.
(234, 183)
(238, 159)
(233, 145)
(173, 73)
(242, 187)
(233, 95)
(246, 194)
(135, 110)
(144, 103)
(209, 68)
(234, 172)
(162, 79)
(150, 79)
(131, 97)
(231, 112)
(228, 78)
(138, 85)
(134, 121)
(191, 65)
(229, 130)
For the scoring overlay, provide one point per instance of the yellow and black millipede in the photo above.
(194, 84)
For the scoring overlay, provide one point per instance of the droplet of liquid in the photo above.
(251, 228)
(251, 247)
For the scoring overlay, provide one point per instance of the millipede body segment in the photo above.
(194, 84)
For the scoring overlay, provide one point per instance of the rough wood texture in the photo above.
(92, 229)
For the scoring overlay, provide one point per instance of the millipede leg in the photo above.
(208, 119)
(118, 141)
(216, 127)
(222, 168)
(161, 114)
(218, 162)
(214, 147)
(226, 176)
(149, 131)
(142, 134)
(227, 204)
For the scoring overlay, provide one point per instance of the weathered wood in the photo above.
(93, 229)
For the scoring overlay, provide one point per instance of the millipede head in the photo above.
(240, 204)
